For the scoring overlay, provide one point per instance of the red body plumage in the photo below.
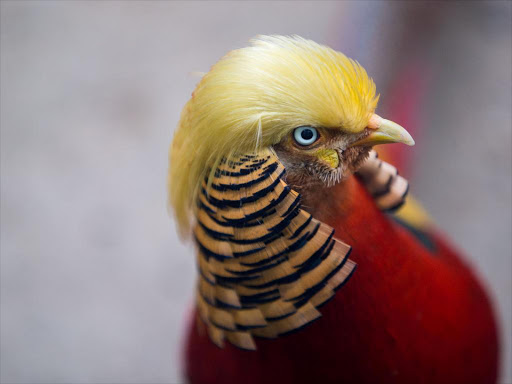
(408, 315)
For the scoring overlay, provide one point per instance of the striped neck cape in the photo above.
(265, 264)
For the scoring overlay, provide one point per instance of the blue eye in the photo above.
(305, 135)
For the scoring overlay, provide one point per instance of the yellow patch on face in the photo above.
(328, 156)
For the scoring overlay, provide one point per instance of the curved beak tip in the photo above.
(408, 140)
(395, 132)
(385, 132)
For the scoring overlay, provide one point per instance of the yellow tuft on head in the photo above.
(255, 96)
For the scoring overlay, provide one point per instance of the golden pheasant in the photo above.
(272, 172)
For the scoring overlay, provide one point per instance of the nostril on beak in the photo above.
(375, 121)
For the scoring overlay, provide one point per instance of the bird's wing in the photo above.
(265, 264)
(383, 182)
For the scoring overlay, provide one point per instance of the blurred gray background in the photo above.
(95, 284)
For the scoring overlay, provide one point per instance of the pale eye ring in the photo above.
(305, 135)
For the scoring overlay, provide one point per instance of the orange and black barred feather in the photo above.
(265, 264)
(383, 182)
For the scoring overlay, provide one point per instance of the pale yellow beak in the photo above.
(384, 132)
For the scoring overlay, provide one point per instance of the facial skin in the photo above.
(323, 163)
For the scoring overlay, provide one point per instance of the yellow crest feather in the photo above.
(256, 95)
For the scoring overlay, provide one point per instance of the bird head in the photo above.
(313, 106)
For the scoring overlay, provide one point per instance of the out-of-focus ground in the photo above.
(95, 283)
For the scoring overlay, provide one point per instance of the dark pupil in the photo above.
(306, 134)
